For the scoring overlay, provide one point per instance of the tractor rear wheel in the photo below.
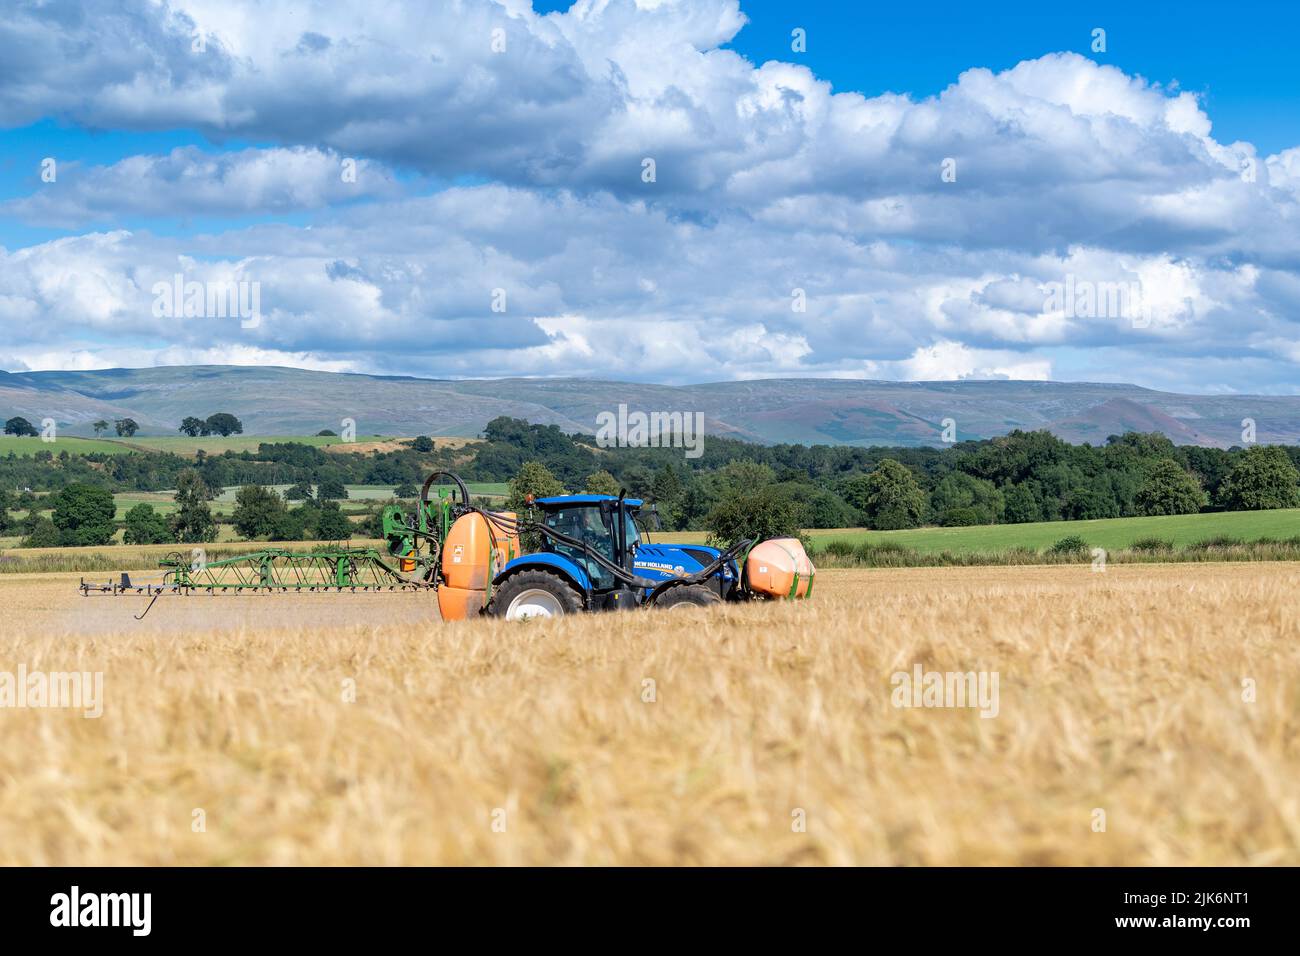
(687, 596)
(530, 594)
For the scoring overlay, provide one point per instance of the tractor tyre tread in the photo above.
(687, 595)
(505, 592)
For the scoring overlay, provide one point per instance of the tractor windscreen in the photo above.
(633, 532)
(587, 525)
(586, 522)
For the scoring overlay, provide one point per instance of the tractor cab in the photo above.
(605, 523)
(608, 526)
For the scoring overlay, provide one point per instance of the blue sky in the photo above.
(801, 219)
(1240, 58)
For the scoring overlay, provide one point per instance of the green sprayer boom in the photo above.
(324, 569)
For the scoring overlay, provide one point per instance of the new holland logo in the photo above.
(663, 566)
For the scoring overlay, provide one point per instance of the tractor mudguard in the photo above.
(576, 575)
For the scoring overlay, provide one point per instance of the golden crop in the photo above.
(359, 730)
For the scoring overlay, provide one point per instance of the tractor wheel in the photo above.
(687, 596)
(530, 594)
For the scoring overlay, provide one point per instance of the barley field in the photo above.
(357, 729)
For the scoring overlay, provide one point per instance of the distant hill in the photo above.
(285, 401)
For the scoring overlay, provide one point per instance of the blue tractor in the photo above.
(595, 555)
(585, 553)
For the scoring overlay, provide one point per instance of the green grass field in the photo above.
(215, 444)
(1109, 533)
(177, 444)
(27, 447)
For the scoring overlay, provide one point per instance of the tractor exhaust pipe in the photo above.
(626, 559)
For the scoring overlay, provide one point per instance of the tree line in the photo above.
(221, 423)
(21, 427)
(1016, 478)
(84, 514)
(1019, 477)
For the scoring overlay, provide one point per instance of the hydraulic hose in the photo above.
(455, 480)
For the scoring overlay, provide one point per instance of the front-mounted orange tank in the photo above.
(475, 550)
(458, 604)
(779, 568)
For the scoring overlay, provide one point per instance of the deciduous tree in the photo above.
(193, 523)
(223, 424)
(602, 483)
(256, 511)
(20, 427)
(891, 497)
(144, 525)
(84, 515)
(1170, 490)
(1263, 477)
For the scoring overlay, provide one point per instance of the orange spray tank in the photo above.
(475, 550)
(779, 568)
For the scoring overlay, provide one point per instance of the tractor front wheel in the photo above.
(687, 596)
(531, 594)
